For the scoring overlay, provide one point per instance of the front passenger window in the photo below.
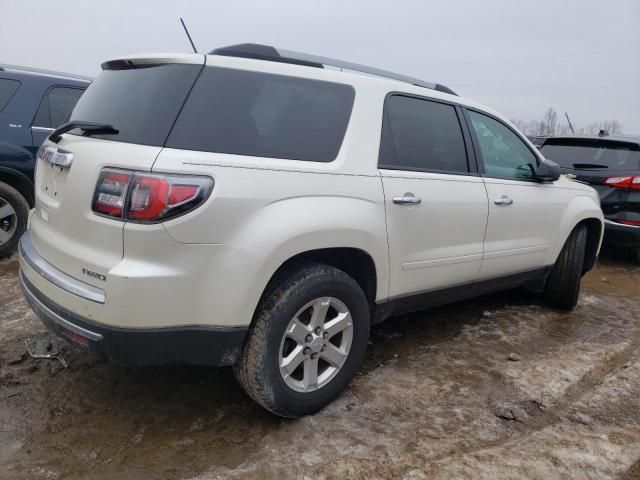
(504, 154)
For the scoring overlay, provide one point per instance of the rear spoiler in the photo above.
(153, 60)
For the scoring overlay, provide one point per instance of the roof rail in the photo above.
(39, 71)
(269, 53)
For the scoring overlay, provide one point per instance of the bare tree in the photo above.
(550, 122)
(549, 126)
(612, 126)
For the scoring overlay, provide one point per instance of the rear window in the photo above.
(141, 103)
(56, 106)
(7, 89)
(592, 154)
(264, 115)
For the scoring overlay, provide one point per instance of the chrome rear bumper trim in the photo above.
(48, 315)
(60, 279)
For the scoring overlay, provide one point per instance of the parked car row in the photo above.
(252, 208)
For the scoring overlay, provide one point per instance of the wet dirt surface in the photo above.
(497, 387)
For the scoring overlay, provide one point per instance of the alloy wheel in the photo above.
(8, 221)
(315, 344)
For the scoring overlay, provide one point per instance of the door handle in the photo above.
(407, 199)
(503, 200)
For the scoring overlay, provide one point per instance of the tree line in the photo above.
(551, 125)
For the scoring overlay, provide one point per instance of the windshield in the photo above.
(592, 154)
(141, 103)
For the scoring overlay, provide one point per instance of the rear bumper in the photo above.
(623, 235)
(196, 345)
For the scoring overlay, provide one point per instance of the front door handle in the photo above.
(503, 200)
(407, 199)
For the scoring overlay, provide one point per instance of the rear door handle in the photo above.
(503, 200)
(407, 199)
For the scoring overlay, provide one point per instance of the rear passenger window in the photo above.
(421, 135)
(56, 106)
(7, 90)
(264, 115)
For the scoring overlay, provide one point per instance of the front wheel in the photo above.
(563, 285)
(306, 343)
(14, 211)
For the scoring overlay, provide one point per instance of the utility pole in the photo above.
(569, 122)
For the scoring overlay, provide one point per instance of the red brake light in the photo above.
(182, 193)
(148, 197)
(624, 182)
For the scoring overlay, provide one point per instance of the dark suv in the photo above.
(611, 165)
(32, 103)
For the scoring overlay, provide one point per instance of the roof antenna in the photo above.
(188, 36)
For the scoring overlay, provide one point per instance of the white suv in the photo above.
(261, 208)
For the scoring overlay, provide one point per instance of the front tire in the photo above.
(14, 212)
(306, 343)
(563, 285)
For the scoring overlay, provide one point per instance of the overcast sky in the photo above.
(519, 57)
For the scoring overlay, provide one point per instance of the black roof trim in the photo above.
(272, 54)
(260, 52)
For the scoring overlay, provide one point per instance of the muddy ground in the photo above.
(498, 387)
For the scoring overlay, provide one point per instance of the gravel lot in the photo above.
(498, 387)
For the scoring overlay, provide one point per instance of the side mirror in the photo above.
(547, 171)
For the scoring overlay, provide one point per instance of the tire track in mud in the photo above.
(556, 413)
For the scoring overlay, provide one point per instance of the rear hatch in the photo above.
(141, 99)
(607, 165)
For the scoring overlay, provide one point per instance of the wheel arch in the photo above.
(355, 262)
(581, 210)
(20, 182)
(595, 230)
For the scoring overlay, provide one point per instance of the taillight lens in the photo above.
(624, 182)
(148, 197)
(111, 192)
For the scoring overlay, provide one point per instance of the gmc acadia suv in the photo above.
(262, 208)
(32, 103)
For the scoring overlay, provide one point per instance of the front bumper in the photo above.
(623, 235)
(195, 345)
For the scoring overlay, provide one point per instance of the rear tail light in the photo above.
(624, 182)
(148, 197)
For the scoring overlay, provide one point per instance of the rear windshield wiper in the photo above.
(86, 127)
(589, 165)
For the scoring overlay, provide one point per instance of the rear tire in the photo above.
(280, 337)
(14, 213)
(563, 284)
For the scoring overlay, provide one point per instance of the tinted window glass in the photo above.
(592, 154)
(425, 135)
(504, 154)
(141, 103)
(7, 89)
(264, 115)
(56, 106)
